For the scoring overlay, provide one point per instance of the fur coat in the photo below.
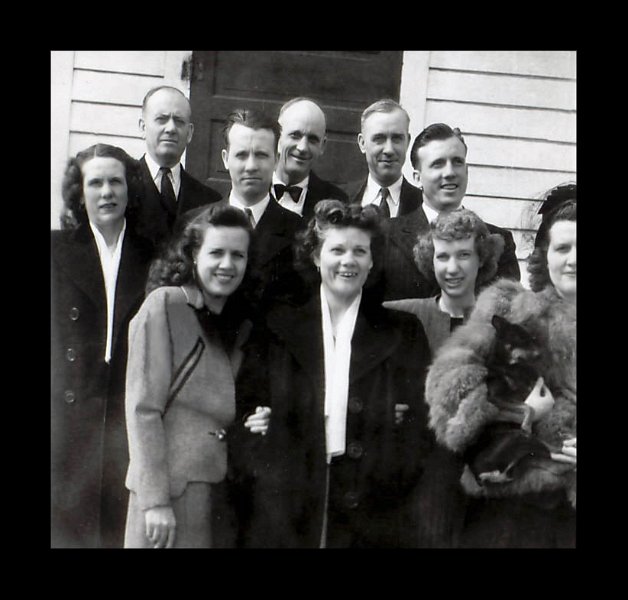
(456, 388)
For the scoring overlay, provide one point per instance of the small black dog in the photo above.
(512, 373)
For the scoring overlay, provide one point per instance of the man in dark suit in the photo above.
(438, 156)
(250, 156)
(384, 139)
(169, 191)
(301, 143)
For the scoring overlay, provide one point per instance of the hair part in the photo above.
(460, 224)
(433, 132)
(74, 212)
(253, 119)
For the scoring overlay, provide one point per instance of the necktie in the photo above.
(249, 213)
(293, 190)
(384, 209)
(168, 198)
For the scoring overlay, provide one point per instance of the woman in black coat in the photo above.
(98, 273)
(338, 462)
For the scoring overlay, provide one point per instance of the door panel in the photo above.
(344, 83)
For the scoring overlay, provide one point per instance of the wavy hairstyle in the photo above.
(176, 267)
(74, 212)
(559, 205)
(334, 214)
(460, 224)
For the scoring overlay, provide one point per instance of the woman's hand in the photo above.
(567, 453)
(540, 399)
(259, 420)
(160, 526)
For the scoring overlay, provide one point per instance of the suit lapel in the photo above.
(272, 232)
(410, 198)
(405, 229)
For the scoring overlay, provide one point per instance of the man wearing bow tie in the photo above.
(302, 141)
(168, 190)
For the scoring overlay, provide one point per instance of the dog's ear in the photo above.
(499, 323)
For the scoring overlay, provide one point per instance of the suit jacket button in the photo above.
(351, 499)
(69, 397)
(74, 313)
(70, 354)
(355, 405)
(355, 450)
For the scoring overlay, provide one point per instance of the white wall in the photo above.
(517, 112)
(96, 96)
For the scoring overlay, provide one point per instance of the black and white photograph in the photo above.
(313, 299)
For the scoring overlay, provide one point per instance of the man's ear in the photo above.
(362, 143)
(142, 126)
(190, 133)
(416, 175)
(323, 144)
(225, 155)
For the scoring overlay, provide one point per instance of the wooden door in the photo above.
(343, 82)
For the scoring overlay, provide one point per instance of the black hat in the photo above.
(557, 197)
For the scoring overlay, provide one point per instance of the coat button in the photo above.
(69, 396)
(355, 405)
(351, 499)
(70, 354)
(355, 450)
(74, 313)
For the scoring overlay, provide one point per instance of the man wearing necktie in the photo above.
(439, 159)
(301, 143)
(168, 190)
(384, 139)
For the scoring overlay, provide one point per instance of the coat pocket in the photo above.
(184, 371)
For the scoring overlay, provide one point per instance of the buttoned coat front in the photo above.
(180, 394)
(284, 368)
(89, 455)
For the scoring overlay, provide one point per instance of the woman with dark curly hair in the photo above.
(184, 353)
(99, 269)
(533, 503)
(336, 466)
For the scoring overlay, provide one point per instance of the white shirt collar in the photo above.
(257, 209)
(371, 194)
(286, 200)
(110, 264)
(430, 213)
(175, 173)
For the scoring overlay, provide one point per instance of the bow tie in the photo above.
(293, 190)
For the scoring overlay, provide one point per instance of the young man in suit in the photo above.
(301, 143)
(169, 190)
(250, 156)
(439, 159)
(384, 139)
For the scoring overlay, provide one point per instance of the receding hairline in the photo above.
(165, 88)
(303, 100)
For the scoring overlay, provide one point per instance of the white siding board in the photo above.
(525, 154)
(80, 141)
(529, 62)
(501, 89)
(106, 119)
(112, 88)
(513, 183)
(504, 212)
(144, 62)
(506, 121)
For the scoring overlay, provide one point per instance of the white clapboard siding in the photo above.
(80, 141)
(555, 126)
(504, 212)
(135, 62)
(520, 153)
(501, 89)
(560, 64)
(112, 88)
(105, 119)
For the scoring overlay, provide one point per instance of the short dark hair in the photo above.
(175, 266)
(158, 88)
(563, 199)
(435, 131)
(74, 212)
(460, 224)
(330, 214)
(253, 119)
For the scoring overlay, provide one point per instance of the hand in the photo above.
(567, 453)
(540, 399)
(400, 410)
(259, 420)
(160, 526)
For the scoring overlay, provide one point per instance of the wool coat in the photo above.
(89, 454)
(319, 189)
(371, 483)
(456, 392)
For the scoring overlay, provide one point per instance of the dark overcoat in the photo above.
(370, 484)
(319, 189)
(89, 453)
